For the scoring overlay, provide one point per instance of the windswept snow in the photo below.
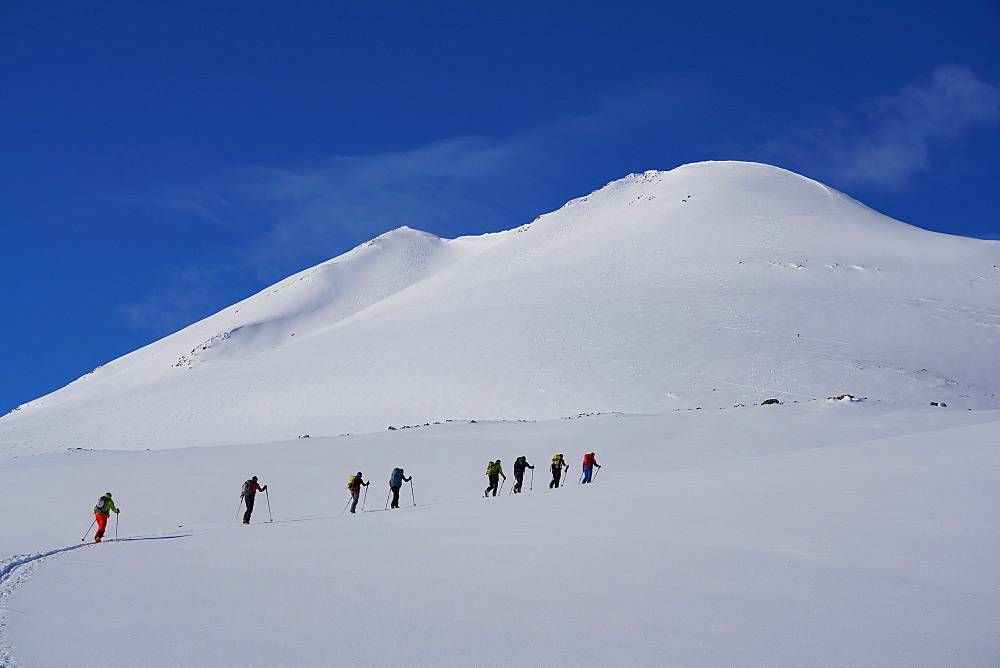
(647, 322)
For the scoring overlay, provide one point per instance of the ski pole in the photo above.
(238, 508)
(88, 530)
(596, 472)
(387, 499)
(581, 477)
(411, 492)
(267, 496)
(501, 486)
(531, 486)
(347, 504)
(117, 515)
(365, 499)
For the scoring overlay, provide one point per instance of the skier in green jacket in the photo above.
(102, 511)
(494, 470)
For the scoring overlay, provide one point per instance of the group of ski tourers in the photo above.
(396, 480)
(494, 470)
(105, 506)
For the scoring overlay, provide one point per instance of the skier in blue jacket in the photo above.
(396, 481)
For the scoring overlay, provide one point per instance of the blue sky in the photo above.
(163, 160)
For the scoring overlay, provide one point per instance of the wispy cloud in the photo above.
(292, 217)
(283, 219)
(886, 141)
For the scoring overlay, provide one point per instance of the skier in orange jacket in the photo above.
(589, 462)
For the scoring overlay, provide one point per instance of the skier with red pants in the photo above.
(250, 489)
(589, 462)
(102, 511)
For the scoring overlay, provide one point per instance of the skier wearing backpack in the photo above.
(250, 489)
(589, 462)
(396, 481)
(557, 469)
(354, 484)
(102, 511)
(519, 465)
(494, 470)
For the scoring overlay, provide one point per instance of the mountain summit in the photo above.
(708, 286)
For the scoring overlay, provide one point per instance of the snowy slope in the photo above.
(821, 534)
(711, 285)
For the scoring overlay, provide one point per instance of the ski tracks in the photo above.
(18, 569)
(14, 572)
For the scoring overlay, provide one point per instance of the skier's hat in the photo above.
(107, 494)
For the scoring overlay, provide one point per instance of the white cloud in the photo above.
(897, 135)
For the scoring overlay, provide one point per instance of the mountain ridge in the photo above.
(709, 285)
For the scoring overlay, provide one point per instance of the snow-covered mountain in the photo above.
(820, 533)
(708, 286)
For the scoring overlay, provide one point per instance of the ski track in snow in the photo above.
(17, 569)
(14, 572)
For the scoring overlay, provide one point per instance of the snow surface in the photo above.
(642, 322)
(827, 533)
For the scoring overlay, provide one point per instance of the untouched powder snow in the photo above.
(711, 285)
